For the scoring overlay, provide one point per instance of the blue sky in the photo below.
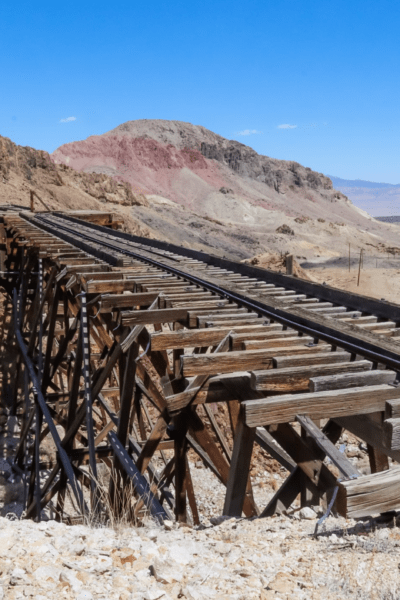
(328, 69)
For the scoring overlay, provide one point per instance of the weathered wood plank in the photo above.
(392, 409)
(319, 405)
(267, 332)
(308, 459)
(252, 343)
(216, 322)
(108, 285)
(369, 494)
(297, 378)
(193, 364)
(224, 362)
(298, 344)
(267, 443)
(239, 470)
(114, 301)
(349, 380)
(147, 317)
(391, 433)
(198, 338)
(325, 358)
(239, 315)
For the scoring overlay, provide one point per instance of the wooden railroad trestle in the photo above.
(126, 346)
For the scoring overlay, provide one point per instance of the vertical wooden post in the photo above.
(309, 495)
(127, 374)
(176, 355)
(32, 204)
(180, 448)
(377, 460)
(289, 264)
(239, 470)
(359, 268)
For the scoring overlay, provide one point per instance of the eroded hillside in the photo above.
(217, 194)
(23, 169)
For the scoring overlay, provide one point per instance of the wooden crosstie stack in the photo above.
(127, 345)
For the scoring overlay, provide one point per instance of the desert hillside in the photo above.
(210, 192)
(23, 169)
(237, 204)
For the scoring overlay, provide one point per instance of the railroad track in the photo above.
(128, 345)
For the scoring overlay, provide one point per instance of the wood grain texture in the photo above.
(325, 358)
(299, 347)
(199, 338)
(369, 494)
(392, 408)
(319, 405)
(297, 378)
(349, 380)
(391, 433)
(224, 362)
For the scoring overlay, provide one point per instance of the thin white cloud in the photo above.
(68, 120)
(287, 126)
(248, 132)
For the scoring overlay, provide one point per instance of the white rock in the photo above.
(84, 595)
(180, 554)
(382, 534)
(18, 576)
(154, 594)
(218, 520)
(44, 573)
(166, 570)
(47, 548)
(78, 549)
(71, 579)
(307, 513)
(168, 525)
(153, 534)
(199, 592)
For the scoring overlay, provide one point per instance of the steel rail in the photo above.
(305, 325)
(380, 308)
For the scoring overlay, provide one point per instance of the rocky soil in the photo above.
(262, 559)
(277, 558)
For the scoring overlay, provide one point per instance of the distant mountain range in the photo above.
(394, 219)
(375, 198)
(355, 183)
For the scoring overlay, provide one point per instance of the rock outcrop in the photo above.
(24, 167)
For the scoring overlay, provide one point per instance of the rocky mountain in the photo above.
(210, 192)
(378, 199)
(165, 185)
(194, 167)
